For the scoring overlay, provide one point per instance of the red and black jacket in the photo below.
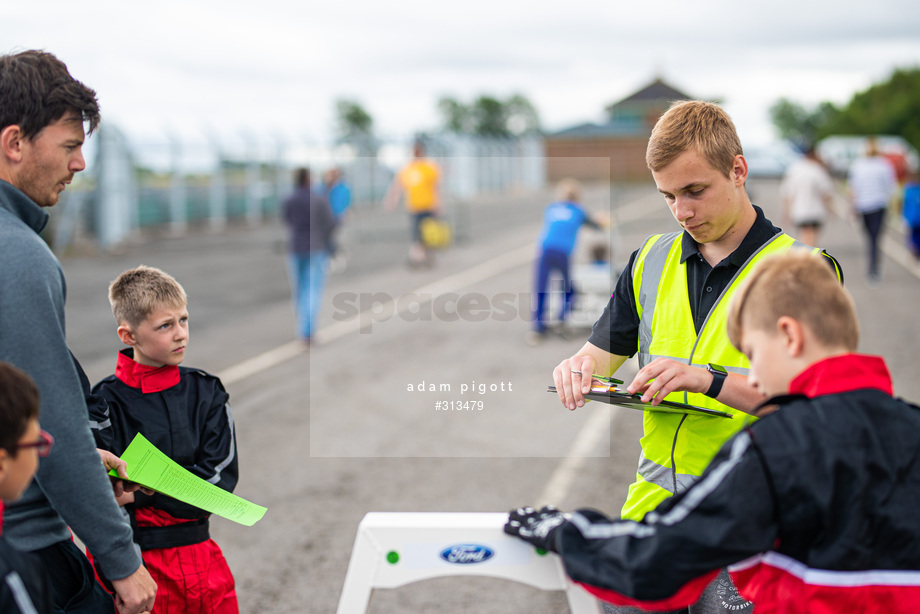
(811, 508)
(186, 414)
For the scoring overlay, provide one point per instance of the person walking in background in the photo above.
(807, 192)
(911, 212)
(43, 110)
(311, 224)
(561, 222)
(419, 182)
(872, 184)
(338, 194)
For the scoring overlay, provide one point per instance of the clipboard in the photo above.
(634, 401)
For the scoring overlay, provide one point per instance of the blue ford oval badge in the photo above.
(466, 554)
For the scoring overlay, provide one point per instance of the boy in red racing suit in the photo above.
(185, 413)
(812, 508)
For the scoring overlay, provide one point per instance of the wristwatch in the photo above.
(719, 373)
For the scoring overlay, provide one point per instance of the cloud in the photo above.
(278, 67)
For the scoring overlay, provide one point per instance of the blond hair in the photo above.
(694, 124)
(140, 291)
(568, 189)
(797, 283)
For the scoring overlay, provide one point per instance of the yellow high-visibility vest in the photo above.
(676, 448)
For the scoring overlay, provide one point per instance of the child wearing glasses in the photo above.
(23, 583)
(185, 413)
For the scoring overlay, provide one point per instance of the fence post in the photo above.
(217, 188)
(178, 219)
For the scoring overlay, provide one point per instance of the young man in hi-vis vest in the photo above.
(670, 306)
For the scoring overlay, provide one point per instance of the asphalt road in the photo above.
(329, 434)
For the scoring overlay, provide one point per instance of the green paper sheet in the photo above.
(151, 468)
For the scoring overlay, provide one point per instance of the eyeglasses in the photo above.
(42, 446)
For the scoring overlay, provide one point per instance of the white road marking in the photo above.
(591, 434)
(424, 294)
(594, 431)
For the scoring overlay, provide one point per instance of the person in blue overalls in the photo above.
(561, 222)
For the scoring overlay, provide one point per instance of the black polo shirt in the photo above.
(617, 330)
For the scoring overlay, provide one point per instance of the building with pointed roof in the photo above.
(614, 150)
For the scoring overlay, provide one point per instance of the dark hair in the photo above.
(19, 402)
(37, 90)
(302, 177)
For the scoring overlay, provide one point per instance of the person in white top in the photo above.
(807, 191)
(872, 184)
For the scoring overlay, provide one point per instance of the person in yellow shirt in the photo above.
(418, 181)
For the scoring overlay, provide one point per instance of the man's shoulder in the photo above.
(16, 235)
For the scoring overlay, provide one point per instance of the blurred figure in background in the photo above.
(561, 222)
(419, 181)
(872, 184)
(807, 192)
(911, 212)
(338, 194)
(310, 224)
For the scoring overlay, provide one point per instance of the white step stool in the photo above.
(395, 549)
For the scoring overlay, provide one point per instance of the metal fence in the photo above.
(185, 184)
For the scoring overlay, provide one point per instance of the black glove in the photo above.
(537, 527)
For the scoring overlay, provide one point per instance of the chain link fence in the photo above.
(182, 185)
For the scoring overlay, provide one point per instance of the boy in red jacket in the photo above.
(185, 413)
(811, 507)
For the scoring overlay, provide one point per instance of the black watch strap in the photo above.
(719, 373)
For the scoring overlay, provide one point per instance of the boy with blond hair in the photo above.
(23, 581)
(185, 413)
(812, 507)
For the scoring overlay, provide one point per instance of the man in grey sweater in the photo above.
(42, 115)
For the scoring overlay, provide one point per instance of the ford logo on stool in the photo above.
(466, 554)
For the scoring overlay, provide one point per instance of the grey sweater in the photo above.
(309, 220)
(71, 487)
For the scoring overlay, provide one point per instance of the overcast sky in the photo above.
(275, 68)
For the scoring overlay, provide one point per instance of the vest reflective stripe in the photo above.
(663, 477)
(666, 329)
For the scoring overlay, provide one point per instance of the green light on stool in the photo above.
(392, 557)
(541, 551)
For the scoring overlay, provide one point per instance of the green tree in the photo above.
(892, 107)
(455, 115)
(489, 116)
(352, 121)
(522, 115)
(797, 124)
